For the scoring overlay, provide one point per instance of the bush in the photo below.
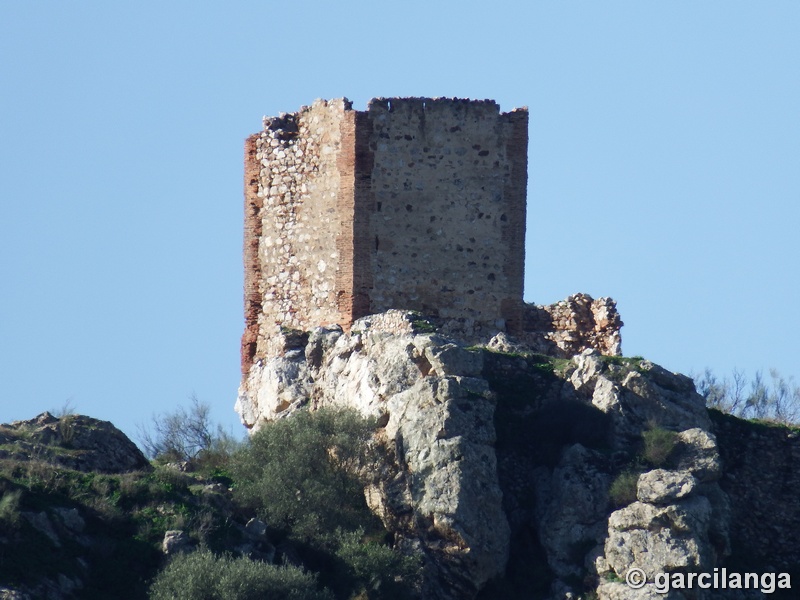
(188, 435)
(658, 445)
(9, 506)
(375, 570)
(623, 489)
(776, 399)
(203, 576)
(302, 473)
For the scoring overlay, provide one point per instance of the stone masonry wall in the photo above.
(413, 204)
(568, 327)
(448, 185)
(298, 216)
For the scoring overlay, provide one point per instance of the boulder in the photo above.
(659, 539)
(175, 541)
(663, 487)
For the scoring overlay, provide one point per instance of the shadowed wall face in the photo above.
(448, 187)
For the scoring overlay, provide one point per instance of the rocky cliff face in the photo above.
(515, 474)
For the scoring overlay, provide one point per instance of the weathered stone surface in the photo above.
(659, 539)
(572, 509)
(697, 453)
(662, 487)
(639, 395)
(568, 327)
(439, 487)
(588, 366)
(175, 541)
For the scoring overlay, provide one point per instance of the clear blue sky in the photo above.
(664, 171)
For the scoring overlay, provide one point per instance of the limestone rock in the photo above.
(282, 386)
(662, 487)
(588, 366)
(7, 593)
(175, 541)
(439, 486)
(639, 395)
(502, 342)
(572, 510)
(659, 539)
(697, 452)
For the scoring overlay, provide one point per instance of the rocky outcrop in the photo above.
(73, 441)
(438, 490)
(498, 458)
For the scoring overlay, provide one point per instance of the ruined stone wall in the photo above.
(570, 326)
(298, 229)
(413, 204)
(448, 221)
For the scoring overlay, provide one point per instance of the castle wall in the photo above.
(413, 204)
(448, 217)
(298, 224)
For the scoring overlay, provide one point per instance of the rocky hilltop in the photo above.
(521, 475)
(503, 472)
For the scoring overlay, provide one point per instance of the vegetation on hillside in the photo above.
(302, 476)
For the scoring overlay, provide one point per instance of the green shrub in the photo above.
(658, 445)
(301, 473)
(374, 570)
(9, 506)
(203, 576)
(623, 489)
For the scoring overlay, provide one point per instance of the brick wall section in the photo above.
(253, 203)
(514, 232)
(364, 202)
(354, 205)
(345, 215)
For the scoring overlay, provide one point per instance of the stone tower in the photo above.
(415, 203)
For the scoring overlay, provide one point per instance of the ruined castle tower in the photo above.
(415, 203)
